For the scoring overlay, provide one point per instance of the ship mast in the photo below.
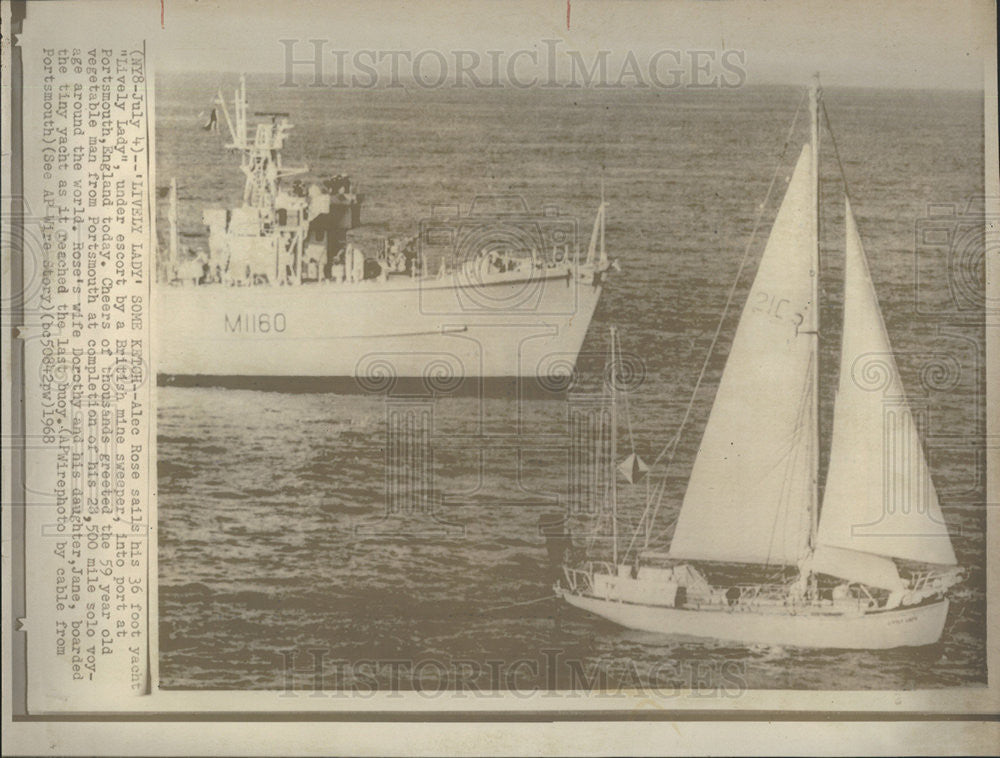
(613, 463)
(273, 214)
(813, 326)
(604, 252)
(260, 155)
(172, 220)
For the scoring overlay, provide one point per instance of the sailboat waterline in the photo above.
(753, 497)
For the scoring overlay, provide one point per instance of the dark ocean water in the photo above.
(274, 537)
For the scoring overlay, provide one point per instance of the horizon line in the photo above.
(506, 85)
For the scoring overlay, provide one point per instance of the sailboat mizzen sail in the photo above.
(752, 498)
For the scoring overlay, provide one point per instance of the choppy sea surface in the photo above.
(274, 536)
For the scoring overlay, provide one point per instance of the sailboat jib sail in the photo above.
(879, 497)
(750, 488)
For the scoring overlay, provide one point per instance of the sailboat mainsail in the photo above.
(751, 486)
(879, 497)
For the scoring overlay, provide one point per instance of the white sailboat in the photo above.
(752, 504)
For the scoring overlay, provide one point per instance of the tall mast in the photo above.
(613, 463)
(172, 219)
(814, 314)
(604, 205)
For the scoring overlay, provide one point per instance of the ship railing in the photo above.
(772, 596)
(754, 595)
(603, 567)
(581, 578)
(934, 580)
(763, 591)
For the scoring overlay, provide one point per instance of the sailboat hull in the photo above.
(879, 630)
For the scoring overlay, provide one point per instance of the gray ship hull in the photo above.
(440, 330)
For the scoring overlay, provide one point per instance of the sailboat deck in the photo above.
(660, 588)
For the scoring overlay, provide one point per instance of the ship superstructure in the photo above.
(282, 291)
(284, 232)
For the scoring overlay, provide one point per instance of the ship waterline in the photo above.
(449, 328)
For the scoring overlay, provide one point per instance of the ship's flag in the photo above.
(633, 468)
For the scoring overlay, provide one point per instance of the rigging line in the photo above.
(625, 394)
(672, 444)
(735, 284)
(650, 496)
(525, 602)
(789, 445)
(836, 151)
(784, 497)
(601, 430)
(593, 431)
(638, 528)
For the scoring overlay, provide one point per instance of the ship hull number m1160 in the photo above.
(254, 323)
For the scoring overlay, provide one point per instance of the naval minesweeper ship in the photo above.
(285, 292)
